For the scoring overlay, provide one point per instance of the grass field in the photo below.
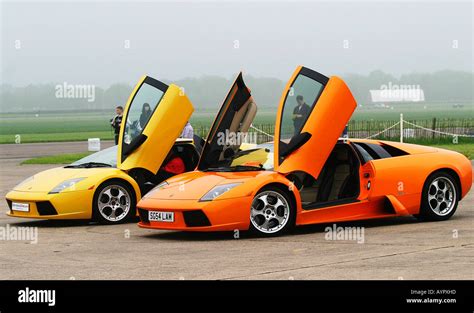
(67, 158)
(466, 149)
(77, 126)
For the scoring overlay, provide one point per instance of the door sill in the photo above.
(320, 205)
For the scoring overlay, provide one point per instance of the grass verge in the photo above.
(466, 149)
(57, 159)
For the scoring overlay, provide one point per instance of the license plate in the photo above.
(157, 216)
(21, 207)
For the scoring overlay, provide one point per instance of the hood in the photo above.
(46, 180)
(194, 185)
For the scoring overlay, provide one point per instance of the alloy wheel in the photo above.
(270, 212)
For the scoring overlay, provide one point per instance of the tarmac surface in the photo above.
(400, 248)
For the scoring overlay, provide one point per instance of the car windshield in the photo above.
(105, 157)
(250, 158)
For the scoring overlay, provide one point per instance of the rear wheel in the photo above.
(439, 198)
(272, 212)
(114, 203)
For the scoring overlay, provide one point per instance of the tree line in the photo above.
(207, 92)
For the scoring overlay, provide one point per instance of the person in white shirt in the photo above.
(188, 131)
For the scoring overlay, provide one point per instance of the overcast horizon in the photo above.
(104, 43)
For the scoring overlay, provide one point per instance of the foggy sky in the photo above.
(83, 42)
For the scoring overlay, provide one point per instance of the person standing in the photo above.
(116, 121)
(300, 113)
(188, 131)
(145, 116)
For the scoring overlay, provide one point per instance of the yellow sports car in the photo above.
(106, 185)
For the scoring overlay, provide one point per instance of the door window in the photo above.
(299, 103)
(143, 105)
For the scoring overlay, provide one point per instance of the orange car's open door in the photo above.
(154, 117)
(235, 117)
(312, 114)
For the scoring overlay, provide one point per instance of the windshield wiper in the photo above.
(88, 165)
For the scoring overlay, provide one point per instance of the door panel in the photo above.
(312, 115)
(234, 118)
(147, 135)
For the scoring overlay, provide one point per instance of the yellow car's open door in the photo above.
(154, 117)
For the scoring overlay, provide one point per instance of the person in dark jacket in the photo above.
(116, 121)
(145, 116)
(300, 113)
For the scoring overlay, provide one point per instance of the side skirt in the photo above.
(359, 210)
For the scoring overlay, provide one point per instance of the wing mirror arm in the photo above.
(137, 142)
(295, 143)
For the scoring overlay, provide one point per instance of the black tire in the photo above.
(277, 212)
(100, 212)
(434, 199)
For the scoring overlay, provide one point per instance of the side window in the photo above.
(365, 155)
(375, 151)
(144, 104)
(381, 152)
(299, 103)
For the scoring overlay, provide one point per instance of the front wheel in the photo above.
(439, 197)
(272, 212)
(114, 203)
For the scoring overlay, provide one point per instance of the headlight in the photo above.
(217, 191)
(23, 182)
(66, 184)
(157, 187)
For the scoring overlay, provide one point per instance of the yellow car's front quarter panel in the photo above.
(71, 203)
(68, 205)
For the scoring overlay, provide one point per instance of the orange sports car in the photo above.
(315, 177)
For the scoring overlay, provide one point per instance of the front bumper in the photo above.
(193, 215)
(67, 205)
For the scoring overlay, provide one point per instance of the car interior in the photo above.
(338, 180)
(182, 158)
(240, 124)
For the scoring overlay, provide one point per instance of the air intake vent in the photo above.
(46, 208)
(143, 216)
(196, 218)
